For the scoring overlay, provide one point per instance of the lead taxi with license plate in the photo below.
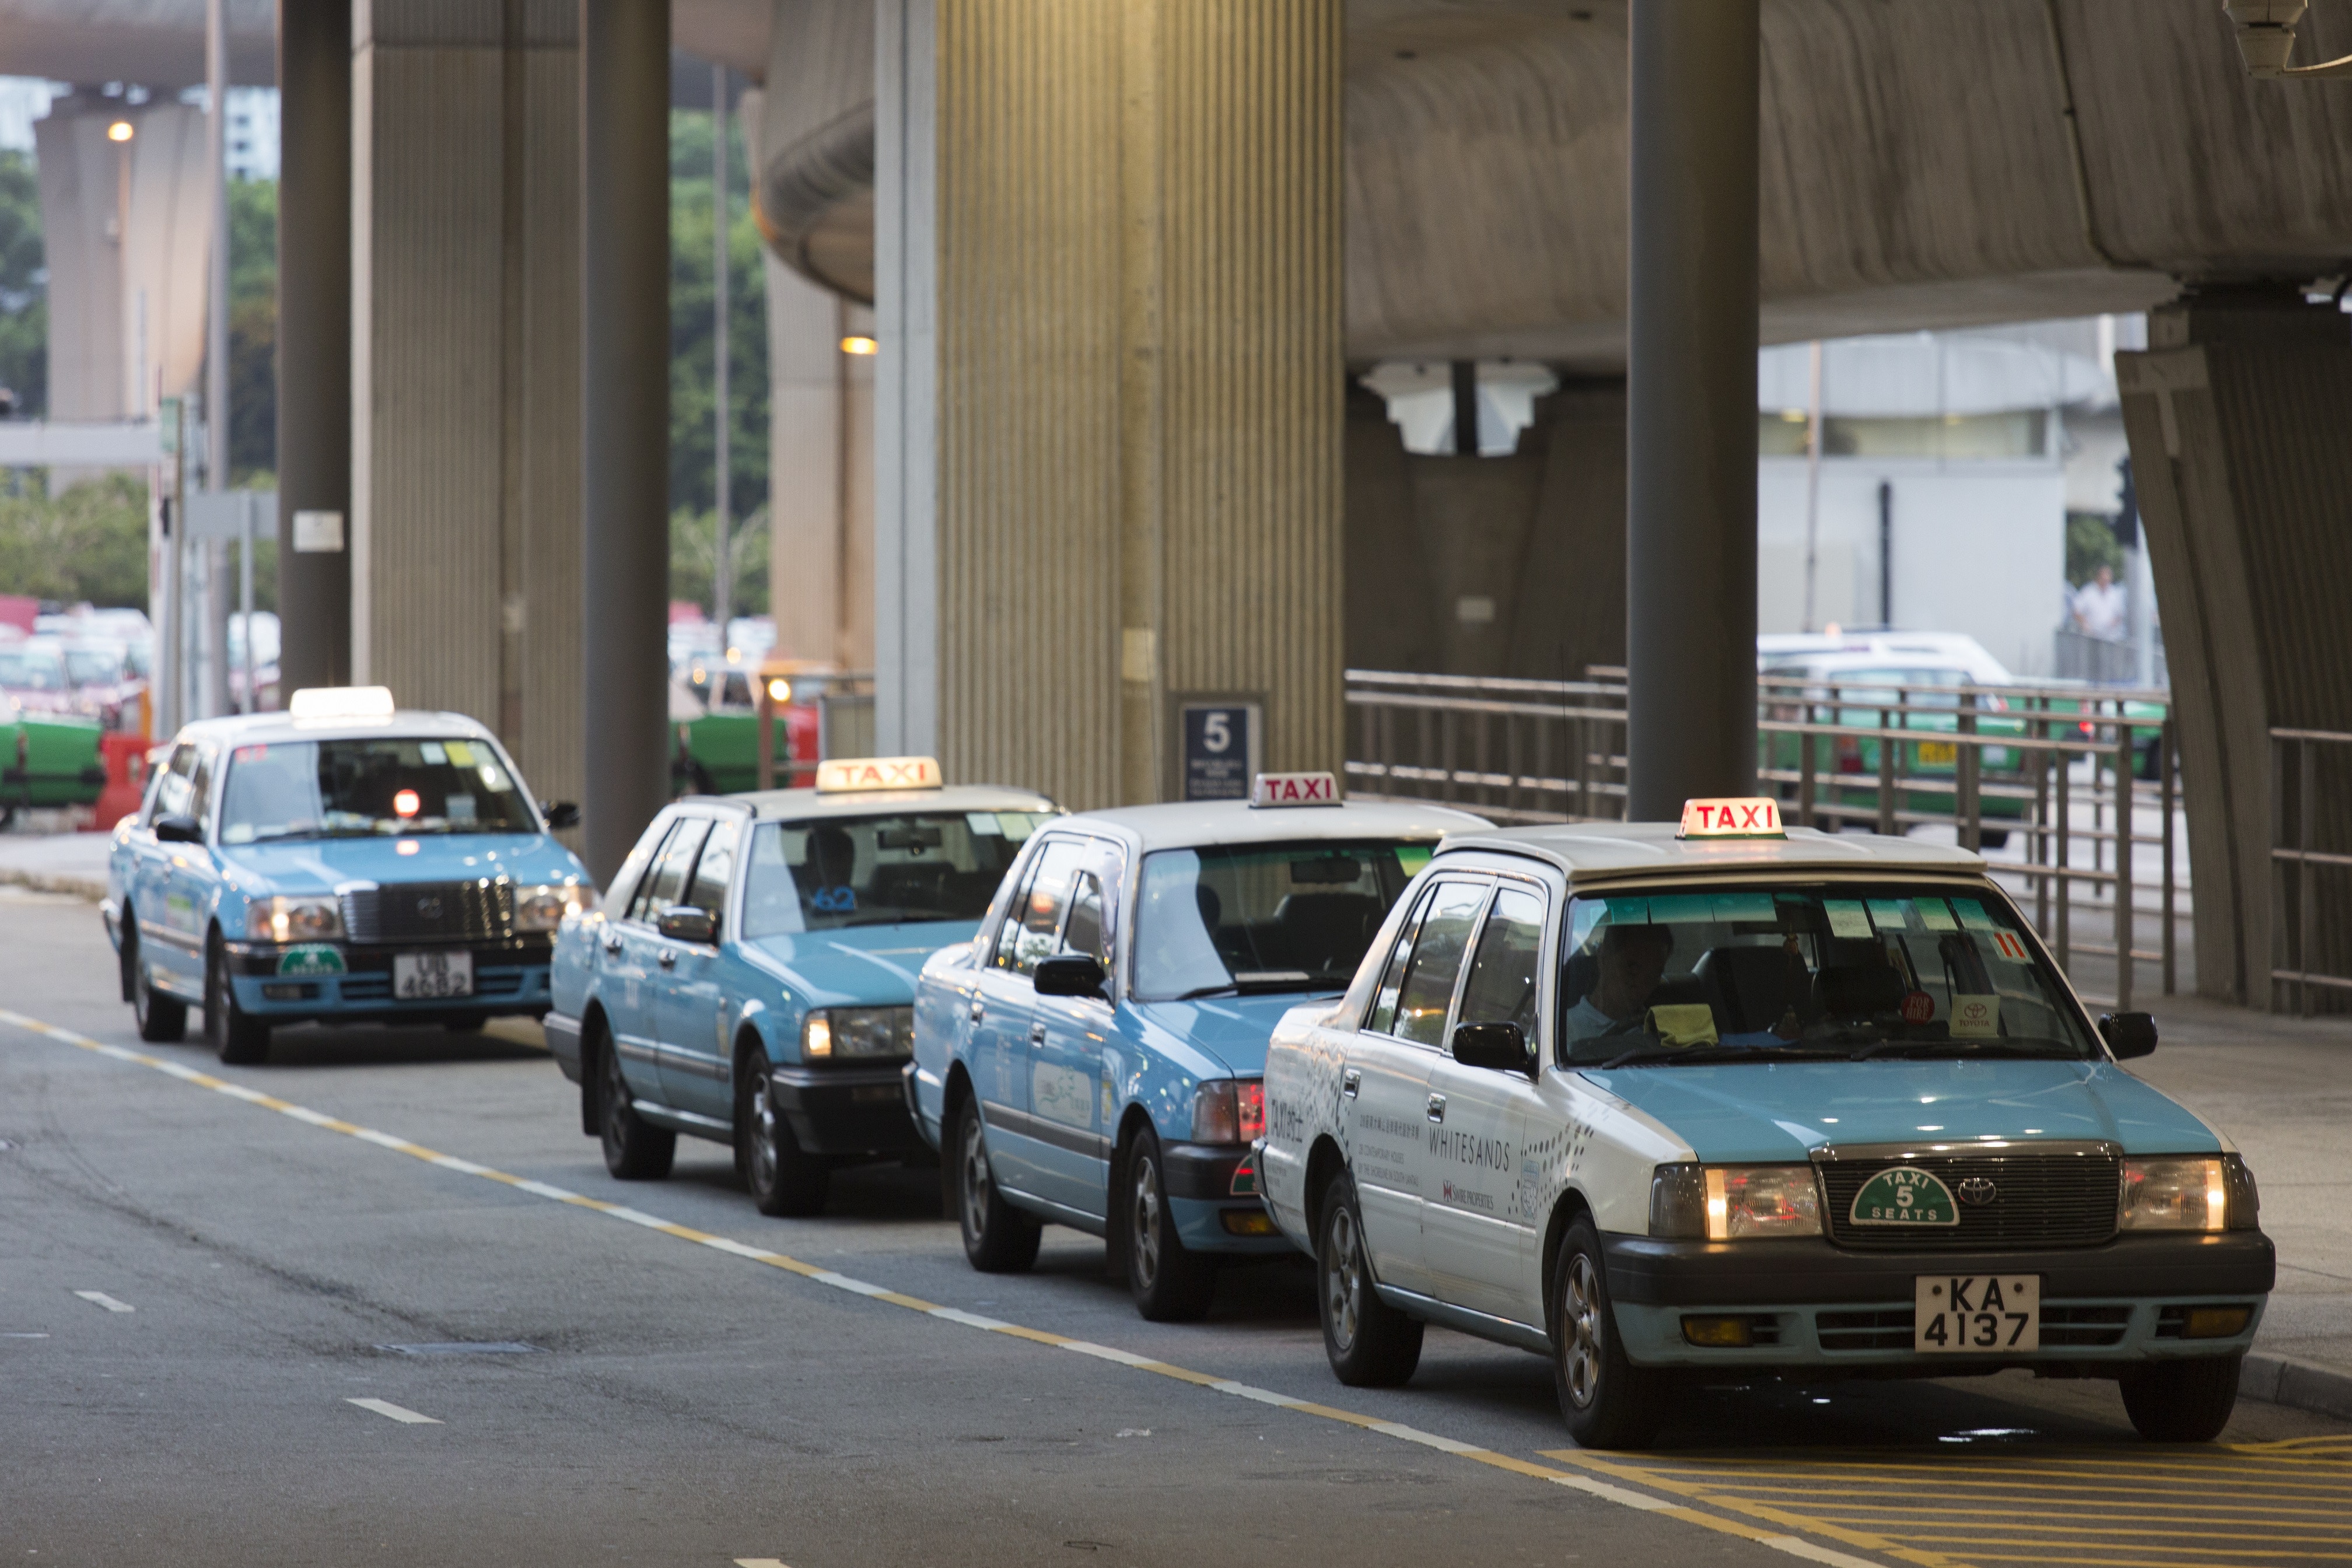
(749, 975)
(1092, 1057)
(1661, 1104)
(344, 861)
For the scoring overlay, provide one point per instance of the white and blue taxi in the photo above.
(344, 861)
(749, 975)
(1092, 1056)
(1659, 1102)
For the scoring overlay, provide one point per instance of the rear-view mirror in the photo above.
(1069, 974)
(179, 830)
(1500, 1048)
(560, 814)
(2128, 1035)
(688, 923)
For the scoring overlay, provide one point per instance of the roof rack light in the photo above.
(342, 703)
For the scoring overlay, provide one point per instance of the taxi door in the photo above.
(1476, 1225)
(1004, 1010)
(1066, 1036)
(1384, 1085)
(632, 972)
(696, 1065)
(192, 878)
(162, 948)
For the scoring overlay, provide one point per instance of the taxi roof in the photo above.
(278, 729)
(1190, 824)
(1592, 851)
(770, 805)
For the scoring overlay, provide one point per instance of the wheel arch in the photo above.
(1572, 1205)
(1324, 1161)
(595, 1036)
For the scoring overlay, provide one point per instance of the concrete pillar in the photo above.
(465, 344)
(2236, 413)
(1691, 406)
(1109, 415)
(623, 326)
(314, 336)
(819, 474)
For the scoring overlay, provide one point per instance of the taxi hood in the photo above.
(1230, 1032)
(321, 865)
(1768, 1112)
(858, 966)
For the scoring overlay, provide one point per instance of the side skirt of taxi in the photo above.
(1484, 1325)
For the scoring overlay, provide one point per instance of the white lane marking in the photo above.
(23, 1336)
(406, 1416)
(758, 1563)
(1624, 1495)
(101, 1299)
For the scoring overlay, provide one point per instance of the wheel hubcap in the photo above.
(765, 1159)
(1144, 1218)
(1579, 1321)
(975, 1181)
(1343, 1280)
(616, 1096)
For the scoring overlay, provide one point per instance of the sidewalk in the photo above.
(55, 862)
(2279, 1088)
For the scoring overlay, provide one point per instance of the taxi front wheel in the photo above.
(783, 1179)
(1608, 1402)
(2183, 1401)
(236, 1037)
(1370, 1344)
(997, 1238)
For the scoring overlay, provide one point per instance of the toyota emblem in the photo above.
(429, 907)
(1978, 1190)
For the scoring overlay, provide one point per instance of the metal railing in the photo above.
(2031, 760)
(2295, 883)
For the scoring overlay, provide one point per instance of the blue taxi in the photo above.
(344, 861)
(1093, 1057)
(749, 976)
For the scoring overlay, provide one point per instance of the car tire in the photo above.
(1370, 1344)
(2183, 1401)
(236, 1037)
(997, 1238)
(635, 1149)
(1169, 1282)
(162, 1019)
(785, 1180)
(1606, 1400)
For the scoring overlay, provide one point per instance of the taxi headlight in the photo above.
(1227, 1110)
(543, 908)
(2185, 1194)
(1734, 1203)
(293, 919)
(859, 1034)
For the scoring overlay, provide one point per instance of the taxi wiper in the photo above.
(2010, 1049)
(1262, 987)
(1652, 1056)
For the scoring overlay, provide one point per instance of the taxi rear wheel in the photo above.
(635, 1149)
(785, 1180)
(236, 1037)
(1607, 1401)
(997, 1238)
(2183, 1401)
(162, 1019)
(1370, 1344)
(1171, 1282)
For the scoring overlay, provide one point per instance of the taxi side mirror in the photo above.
(560, 814)
(2128, 1035)
(1498, 1047)
(1069, 974)
(179, 830)
(688, 923)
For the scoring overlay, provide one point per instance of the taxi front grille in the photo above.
(1890, 1328)
(429, 912)
(2048, 1196)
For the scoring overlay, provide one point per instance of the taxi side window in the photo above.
(178, 781)
(668, 879)
(1437, 953)
(1502, 985)
(1035, 918)
(715, 871)
(1384, 1000)
(200, 788)
(1083, 931)
(621, 897)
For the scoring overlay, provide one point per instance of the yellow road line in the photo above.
(1777, 1540)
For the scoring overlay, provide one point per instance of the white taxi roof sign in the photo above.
(1295, 789)
(342, 703)
(846, 774)
(1747, 816)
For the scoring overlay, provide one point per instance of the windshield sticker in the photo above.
(1891, 915)
(1905, 1195)
(1746, 909)
(434, 752)
(1697, 908)
(1016, 824)
(1935, 915)
(458, 751)
(2009, 946)
(1684, 1024)
(1846, 917)
(983, 823)
(1629, 911)
(1413, 856)
(1976, 1018)
(458, 808)
(1972, 915)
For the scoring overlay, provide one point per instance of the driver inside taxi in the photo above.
(1632, 961)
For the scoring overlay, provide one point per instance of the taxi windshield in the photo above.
(1817, 970)
(356, 789)
(895, 869)
(1232, 919)
(32, 669)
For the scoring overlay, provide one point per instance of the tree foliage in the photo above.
(23, 285)
(89, 544)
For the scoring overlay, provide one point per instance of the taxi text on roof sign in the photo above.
(1295, 789)
(1757, 817)
(878, 772)
(342, 703)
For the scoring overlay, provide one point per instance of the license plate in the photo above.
(1933, 752)
(432, 976)
(1976, 1314)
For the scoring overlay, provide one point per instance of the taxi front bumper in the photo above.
(509, 976)
(846, 1109)
(1815, 1305)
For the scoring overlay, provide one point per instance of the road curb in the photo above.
(41, 882)
(2299, 1385)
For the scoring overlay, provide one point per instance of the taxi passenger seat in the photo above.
(1325, 932)
(1856, 981)
(1759, 984)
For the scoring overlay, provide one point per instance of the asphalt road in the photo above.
(725, 1389)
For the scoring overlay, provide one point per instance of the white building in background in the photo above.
(1947, 469)
(252, 134)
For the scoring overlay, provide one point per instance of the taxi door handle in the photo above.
(979, 1011)
(1037, 1034)
(1350, 1082)
(1437, 1108)
(668, 958)
(612, 946)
